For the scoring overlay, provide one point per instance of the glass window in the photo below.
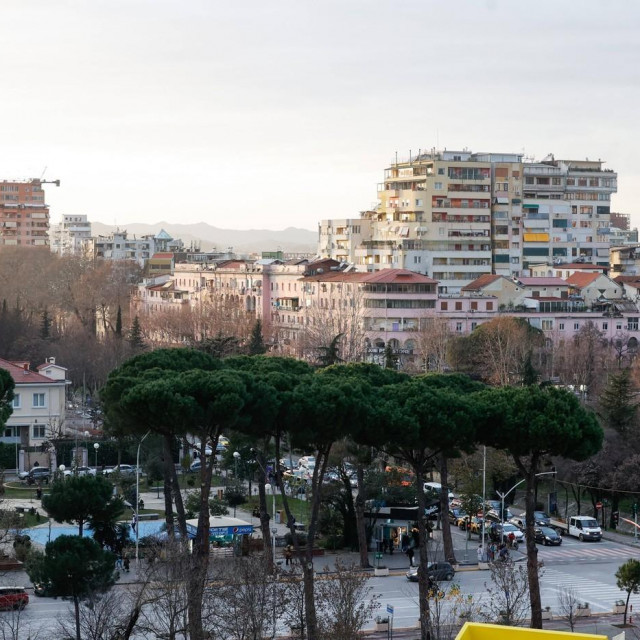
(16, 401)
(38, 400)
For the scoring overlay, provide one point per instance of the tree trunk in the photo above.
(76, 607)
(360, 523)
(309, 597)
(532, 551)
(423, 578)
(264, 517)
(615, 506)
(447, 543)
(167, 480)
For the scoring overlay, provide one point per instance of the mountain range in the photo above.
(207, 237)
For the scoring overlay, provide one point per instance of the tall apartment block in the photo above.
(24, 215)
(70, 236)
(455, 215)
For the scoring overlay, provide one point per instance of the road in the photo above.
(586, 567)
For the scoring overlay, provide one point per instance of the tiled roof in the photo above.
(582, 280)
(481, 282)
(632, 280)
(395, 276)
(542, 282)
(22, 375)
(162, 254)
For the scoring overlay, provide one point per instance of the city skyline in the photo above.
(258, 116)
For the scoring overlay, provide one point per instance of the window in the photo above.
(561, 326)
(474, 305)
(16, 401)
(417, 259)
(39, 430)
(619, 326)
(605, 326)
(576, 326)
(547, 325)
(441, 171)
(632, 324)
(459, 327)
(444, 306)
(458, 306)
(437, 186)
(489, 306)
(38, 400)
(418, 202)
(473, 326)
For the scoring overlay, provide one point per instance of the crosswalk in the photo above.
(587, 552)
(600, 595)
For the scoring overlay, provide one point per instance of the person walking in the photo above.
(480, 553)
(288, 555)
(410, 553)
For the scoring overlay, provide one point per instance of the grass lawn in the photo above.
(300, 508)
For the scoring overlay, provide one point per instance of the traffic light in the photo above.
(616, 518)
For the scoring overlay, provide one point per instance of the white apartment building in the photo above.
(70, 236)
(119, 246)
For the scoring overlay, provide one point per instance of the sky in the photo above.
(274, 114)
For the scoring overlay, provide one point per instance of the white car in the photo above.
(124, 469)
(80, 471)
(307, 462)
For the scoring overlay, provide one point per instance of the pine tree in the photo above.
(330, 354)
(256, 343)
(135, 336)
(45, 326)
(618, 403)
(119, 322)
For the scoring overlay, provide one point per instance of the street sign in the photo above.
(598, 505)
(390, 609)
(378, 556)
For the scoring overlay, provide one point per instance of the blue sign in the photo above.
(223, 531)
(390, 609)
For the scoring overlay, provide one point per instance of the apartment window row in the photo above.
(38, 400)
(399, 304)
(474, 305)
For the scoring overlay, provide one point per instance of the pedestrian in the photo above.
(480, 553)
(512, 538)
(503, 553)
(119, 561)
(410, 553)
(126, 562)
(39, 491)
(492, 552)
(288, 554)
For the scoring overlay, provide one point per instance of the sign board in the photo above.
(390, 609)
(598, 505)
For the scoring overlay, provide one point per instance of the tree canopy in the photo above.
(6, 396)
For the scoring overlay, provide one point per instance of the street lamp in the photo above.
(138, 495)
(96, 446)
(504, 495)
(86, 446)
(268, 488)
(236, 457)
(273, 545)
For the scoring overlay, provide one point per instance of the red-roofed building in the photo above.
(505, 290)
(38, 410)
(594, 287)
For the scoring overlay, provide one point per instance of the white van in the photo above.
(584, 528)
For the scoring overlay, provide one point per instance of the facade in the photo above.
(39, 407)
(24, 215)
(455, 215)
(70, 236)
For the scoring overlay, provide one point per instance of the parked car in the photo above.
(35, 474)
(13, 598)
(476, 524)
(519, 521)
(80, 471)
(501, 533)
(195, 466)
(124, 469)
(43, 589)
(541, 519)
(455, 514)
(435, 571)
(547, 536)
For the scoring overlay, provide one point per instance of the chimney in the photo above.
(25, 368)
(51, 360)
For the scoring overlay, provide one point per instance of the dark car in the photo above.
(541, 519)
(546, 536)
(436, 571)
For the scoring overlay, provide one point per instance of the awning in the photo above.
(536, 237)
(502, 200)
(530, 206)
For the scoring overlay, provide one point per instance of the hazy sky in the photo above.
(279, 113)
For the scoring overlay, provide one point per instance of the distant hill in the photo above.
(208, 237)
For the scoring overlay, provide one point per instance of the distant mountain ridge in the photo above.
(291, 239)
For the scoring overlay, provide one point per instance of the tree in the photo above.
(345, 602)
(45, 326)
(80, 498)
(628, 579)
(568, 606)
(118, 328)
(533, 423)
(390, 358)
(507, 603)
(256, 345)
(7, 386)
(330, 354)
(618, 404)
(136, 339)
(74, 568)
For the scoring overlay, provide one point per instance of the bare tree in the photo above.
(344, 602)
(14, 627)
(432, 341)
(247, 601)
(449, 609)
(508, 594)
(568, 606)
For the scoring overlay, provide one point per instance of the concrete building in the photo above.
(70, 236)
(455, 215)
(24, 214)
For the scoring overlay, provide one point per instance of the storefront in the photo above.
(224, 531)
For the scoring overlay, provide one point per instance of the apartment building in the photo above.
(71, 235)
(24, 215)
(455, 215)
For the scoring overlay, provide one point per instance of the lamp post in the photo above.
(96, 446)
(236, 457)
(269, 488)
(506, 493)
(86, 446)
(138, 496)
